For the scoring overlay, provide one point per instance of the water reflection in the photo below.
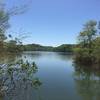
(34, 54)
(55, 71)
(87, 80)
(8, 58)
(64, 56)
(53, 55)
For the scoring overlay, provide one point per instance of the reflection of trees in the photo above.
(87, 82)
(17, 78)
(31, 55)
(62, 56)
(13, 57)
(8, 57)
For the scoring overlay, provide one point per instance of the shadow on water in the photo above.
(18, 80)
(87, 80)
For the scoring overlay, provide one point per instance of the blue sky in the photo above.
(54, 22)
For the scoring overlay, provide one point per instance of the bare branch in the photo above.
(20, 9)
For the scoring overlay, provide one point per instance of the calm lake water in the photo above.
(61, 79)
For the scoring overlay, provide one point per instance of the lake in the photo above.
(61, 78)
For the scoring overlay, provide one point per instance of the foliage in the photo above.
(64, 48)
(4, 25)
(88, 49)
(37, 47)
(96, 50)
(5, 15)
(17, 74)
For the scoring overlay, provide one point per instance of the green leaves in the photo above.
(36, 83)
(17, 73)
(88, 34)
(89, 44)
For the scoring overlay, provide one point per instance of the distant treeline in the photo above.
(12, 46)
(37, 47)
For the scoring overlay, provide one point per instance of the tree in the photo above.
(4, 25)
(87, 38)
(88, 34)
(5, 15)
(65, 48)
(96, 50)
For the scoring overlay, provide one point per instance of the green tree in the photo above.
(4, 25)
(5, 15)
(84, 52)
(88, 34)
(96, 50)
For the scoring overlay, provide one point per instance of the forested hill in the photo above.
(37, 47)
